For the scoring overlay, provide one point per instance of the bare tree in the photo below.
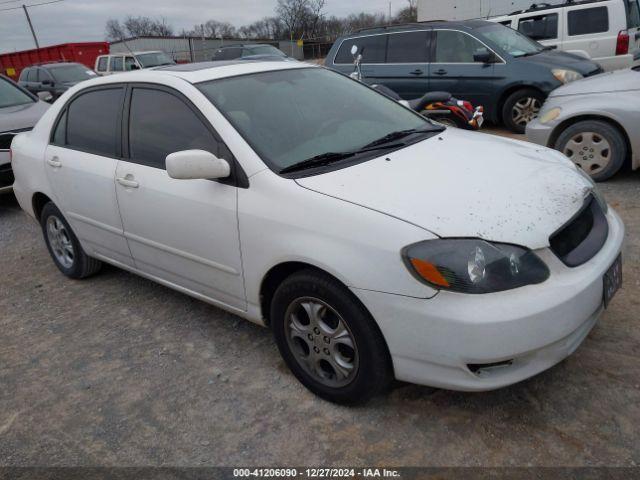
(214, 29)
(137, 27)
(114, 30)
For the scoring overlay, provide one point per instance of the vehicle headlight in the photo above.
(550, 116)
(597, 194)
(566, 76)
(473, 266)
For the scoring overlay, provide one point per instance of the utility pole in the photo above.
(33, 32)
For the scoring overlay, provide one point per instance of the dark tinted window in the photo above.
(633, 13)
(457, 47)
(588, 20)
(102, 64)
(160, 123)
(375, 49)
(33, 75)
(407, 48)
(117, 64)
(60, 134)
(540, 27)
(24, 75)
(92, 122)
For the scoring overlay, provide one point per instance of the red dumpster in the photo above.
(11, 64)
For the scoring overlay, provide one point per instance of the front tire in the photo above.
(597, 147)
(328, 339)
(520, 108)
(63, 245)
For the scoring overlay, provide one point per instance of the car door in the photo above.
(405, 70)
(543, 27)
(454, 69)
(81, 162)
(181, 231)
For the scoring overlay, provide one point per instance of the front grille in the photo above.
(7, 137)
(6, 175)
(583, 236)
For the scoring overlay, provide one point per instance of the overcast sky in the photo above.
(84, 20)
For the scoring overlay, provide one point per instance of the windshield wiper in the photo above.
(393, 136)
(333, 157)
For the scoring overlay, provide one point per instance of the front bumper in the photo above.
(539, 133)
(441, 341)
(6, 174)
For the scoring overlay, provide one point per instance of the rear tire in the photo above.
(595, 146)
(520, 108)
(328, 339)
(64, 247)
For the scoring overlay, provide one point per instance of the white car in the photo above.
(605, 31)
(126, 62)
(375, 243)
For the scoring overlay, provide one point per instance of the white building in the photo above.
(468, 9)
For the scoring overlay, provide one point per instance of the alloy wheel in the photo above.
(60, 242)
(525, 110)
(321, 342)
(590, 151)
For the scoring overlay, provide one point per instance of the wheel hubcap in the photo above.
(321, 342)
(525, 110)
(60, 242)
(590, 151)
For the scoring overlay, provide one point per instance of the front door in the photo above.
(181, 231)
(81, 162)
(454, 69)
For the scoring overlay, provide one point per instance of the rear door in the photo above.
(543, 27)
(81, 161)
(454, 69)
(405, 70)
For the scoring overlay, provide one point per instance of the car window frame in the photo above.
(428, 51)
(434, 46)
(63, 113)
(238, 178)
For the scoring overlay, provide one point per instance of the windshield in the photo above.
(289, 116)
(155, 59)
(510, 41)
(264, 50)
(11, 95)
(72, 73)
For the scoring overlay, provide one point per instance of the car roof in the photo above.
(540, 7)
(461, 24)
(244, 45)
(201, 71)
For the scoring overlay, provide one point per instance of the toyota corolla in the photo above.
(374, 243)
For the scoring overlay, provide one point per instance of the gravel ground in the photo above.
(119, 371)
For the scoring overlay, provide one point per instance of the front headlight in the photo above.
(550, 116)
(473, 265)
(566, 76)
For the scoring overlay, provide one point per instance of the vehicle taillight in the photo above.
(622, 47)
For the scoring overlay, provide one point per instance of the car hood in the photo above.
(464, 184)
(21, 117)
(618, 81)
(553, 59)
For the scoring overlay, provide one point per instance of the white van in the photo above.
(605, 31)
(125, 62)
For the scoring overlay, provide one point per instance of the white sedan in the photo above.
(373, 242)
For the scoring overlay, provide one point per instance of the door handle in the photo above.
(127, 182)
(54, 162)
(416, 72)
(440, 72)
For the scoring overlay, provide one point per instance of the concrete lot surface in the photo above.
(117, 371)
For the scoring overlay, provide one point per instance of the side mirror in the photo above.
(483, 56)
(354, 50)
(196, 164)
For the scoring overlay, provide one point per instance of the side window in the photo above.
(129, 62)
(588, 20)
(540, 27)
(407, 48)
(92, 122)
(375, 48)
(33, 75)
(160, 123)
(116, 64)
(60, 134)
(102, 64)
(456, 47)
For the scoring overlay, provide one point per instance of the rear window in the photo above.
(410, 47)
(540, 27)
(102, 64)
(373, 49)
(588, 20)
